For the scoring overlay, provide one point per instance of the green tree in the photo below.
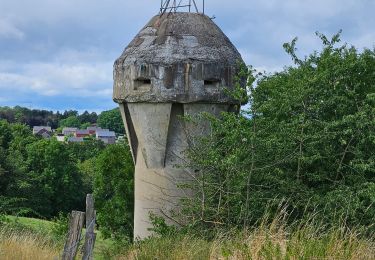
(86, 150)
(306, 141)
(3, 172)
(89, 118)
(16, 155)
(88, 173)
(5, 140)
(112, 120)
(71, 121)
(52, 182)
(5, 134)
(85, 125)
(113, 191)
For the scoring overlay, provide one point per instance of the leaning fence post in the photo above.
(74, 235)
(90, 226)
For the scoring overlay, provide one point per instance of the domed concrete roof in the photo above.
(178, 37)
(173, 58)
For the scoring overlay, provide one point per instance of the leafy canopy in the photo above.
(112, 120)
(114, 191)
(307, 141)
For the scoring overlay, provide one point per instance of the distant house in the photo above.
(82, 133)
(74, 139)
(108, 137)
(69, 131)
(60, 137)
(45, 134)
(36, 129)
(43, 131)
(93, 129)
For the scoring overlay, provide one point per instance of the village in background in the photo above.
(75, 135)
(69, 126)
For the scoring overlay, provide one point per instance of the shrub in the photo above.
(114, 192)
(306, 140)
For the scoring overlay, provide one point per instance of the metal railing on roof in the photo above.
(174, 5)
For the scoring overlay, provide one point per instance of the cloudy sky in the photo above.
(58, 54)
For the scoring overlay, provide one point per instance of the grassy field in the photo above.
(268, 241)
(32, 223)
(31, 239)
(26, 245)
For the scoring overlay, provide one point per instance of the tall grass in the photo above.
(270, 240)
(17, 244)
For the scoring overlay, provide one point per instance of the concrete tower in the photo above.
(179, 64)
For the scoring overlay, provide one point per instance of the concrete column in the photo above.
(158, 140)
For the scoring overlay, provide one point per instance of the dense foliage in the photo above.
(114, 192)
(43, 175)
(36, 117)
(307, 141)
(46, 178)
(111, 119)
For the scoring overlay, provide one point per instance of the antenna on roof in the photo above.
(174, 5)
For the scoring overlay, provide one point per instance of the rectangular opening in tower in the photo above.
(142, 84)
(212, 83)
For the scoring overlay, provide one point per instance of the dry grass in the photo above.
(269, 241)
(255, 246)
(16, 245)
(259, 244)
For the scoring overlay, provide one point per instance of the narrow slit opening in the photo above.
(142, 84)
(212, 83)
(145, 81)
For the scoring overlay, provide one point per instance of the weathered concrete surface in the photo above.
(178, 57)
(162, 139)
(179, 64)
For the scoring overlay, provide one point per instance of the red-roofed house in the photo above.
(82, 133)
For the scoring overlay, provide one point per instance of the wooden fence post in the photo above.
(74, 235)
(90, 226)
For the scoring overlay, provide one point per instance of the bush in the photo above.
(114, 192)
(307, 140)
(60, 227)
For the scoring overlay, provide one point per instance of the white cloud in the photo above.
(52, 79)
(90, 54)
(83, 11)
(9, 30)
